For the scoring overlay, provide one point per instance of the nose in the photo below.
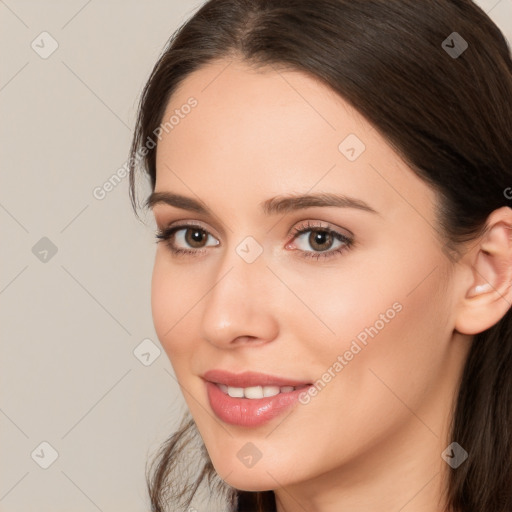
(238, 308)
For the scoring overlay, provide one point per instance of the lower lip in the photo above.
(249, 412)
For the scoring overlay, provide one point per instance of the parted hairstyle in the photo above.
(448, 117)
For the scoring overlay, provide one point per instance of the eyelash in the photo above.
(165, 235)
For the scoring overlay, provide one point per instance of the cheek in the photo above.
(401, 362)
(402, 328)
(384, 294)
(173, 296)
(387, 318)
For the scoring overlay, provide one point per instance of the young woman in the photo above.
(331, 182)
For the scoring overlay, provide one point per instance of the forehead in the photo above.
(262, 132)
(259, 108)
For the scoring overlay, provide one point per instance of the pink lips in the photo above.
(249, 412)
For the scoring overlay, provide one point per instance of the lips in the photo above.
(250, 399)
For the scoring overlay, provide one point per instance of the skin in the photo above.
(372, 438)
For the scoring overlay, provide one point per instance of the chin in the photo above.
(252, 482)
(261, 476)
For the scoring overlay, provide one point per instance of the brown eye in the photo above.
(186, 239)
(195, 237)
(320, 240)
(314, 241)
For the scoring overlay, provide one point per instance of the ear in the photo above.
(487, 267)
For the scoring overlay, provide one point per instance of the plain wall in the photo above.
(71, 321)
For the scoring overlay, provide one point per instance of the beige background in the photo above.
(70, 323)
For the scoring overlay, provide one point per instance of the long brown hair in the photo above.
(445, 108)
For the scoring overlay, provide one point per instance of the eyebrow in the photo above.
(272, 206)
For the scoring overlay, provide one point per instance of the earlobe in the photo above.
(489, 264)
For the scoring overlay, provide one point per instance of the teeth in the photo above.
(254, 392)
(271, 390)
(236, 392)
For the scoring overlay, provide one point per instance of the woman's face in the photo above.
(359, 306)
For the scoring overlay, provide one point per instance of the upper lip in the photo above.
(248, 379)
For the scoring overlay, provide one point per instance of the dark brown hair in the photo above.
(449, 117)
